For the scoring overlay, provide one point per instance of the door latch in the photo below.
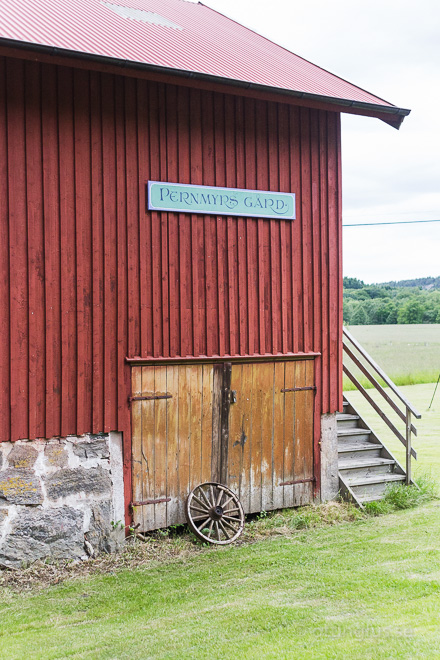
(233, 396)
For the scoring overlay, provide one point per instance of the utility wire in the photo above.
(402, 222)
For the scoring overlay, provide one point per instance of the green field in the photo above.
(409, 354)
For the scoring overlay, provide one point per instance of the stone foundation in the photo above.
(55, 494)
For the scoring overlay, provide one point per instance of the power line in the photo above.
(402, 222)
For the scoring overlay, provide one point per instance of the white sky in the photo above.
(392, 49)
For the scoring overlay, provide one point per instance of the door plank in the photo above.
(278, 435)
(206, 445)
(184, 427)
(289, 432)
(136, 448)
(148, 458)
(160, 447)
(173, 444)
(267, 402)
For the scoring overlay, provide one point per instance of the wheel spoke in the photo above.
(203, 524)
(199, 509)
(207, 502)
(209, 532)
(233, 510)
(217, 530)
(202, 504)
(228, 500)
(228, 524)
(225, 517)
(212, 495)
(204, 517)
(224, 530)
(219, 497)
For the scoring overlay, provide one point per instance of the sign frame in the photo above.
(218, 190)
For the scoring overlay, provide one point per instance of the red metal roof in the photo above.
(202, 41)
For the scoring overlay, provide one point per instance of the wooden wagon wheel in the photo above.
(214, 513)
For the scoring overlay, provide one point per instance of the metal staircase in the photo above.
(366, 466)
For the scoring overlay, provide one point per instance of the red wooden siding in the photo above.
(90, 277)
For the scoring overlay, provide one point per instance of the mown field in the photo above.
(409, 354)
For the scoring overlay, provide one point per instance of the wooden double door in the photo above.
(248, 425)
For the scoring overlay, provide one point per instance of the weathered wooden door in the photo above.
(247, 425)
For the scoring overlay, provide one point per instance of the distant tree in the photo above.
(359, 316)
(352, 283)
(411, 312)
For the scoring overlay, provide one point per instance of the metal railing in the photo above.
(405, 415)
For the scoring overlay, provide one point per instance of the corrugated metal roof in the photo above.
(184, 36)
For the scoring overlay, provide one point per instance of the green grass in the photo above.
(366, 589)
(317, 582)
(409, 354)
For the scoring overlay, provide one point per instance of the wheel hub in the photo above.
(216, 512)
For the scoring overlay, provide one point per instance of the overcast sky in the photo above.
(392, 49)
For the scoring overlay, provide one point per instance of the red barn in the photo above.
(145, 351)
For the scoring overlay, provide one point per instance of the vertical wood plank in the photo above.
(35, 230)
(173, 449)
(136, 444)
(18, 246)
(134, 185)
(68, 232)
(206, 435)
(97, 254)
(148, 461)
(237, 437)
(278, 435)
(5, 400)
(83, 197)
(300, 433)
(289, 432)
(195, 448)
(266, 380)
(185, 399)
(51, 181)
(256, 439)
(110, 266)
(160, 447)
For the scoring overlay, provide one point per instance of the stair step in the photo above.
(369, 498)
(365, 463)
(342, 433)
(379, 479)
(357, 446)
(345, 420)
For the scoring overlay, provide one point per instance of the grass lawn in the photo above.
(427, 442)
(409, 354)
(369, 588)
(359, 590)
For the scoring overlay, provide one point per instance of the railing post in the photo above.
(408, 446)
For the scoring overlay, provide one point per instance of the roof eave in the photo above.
(389, 114)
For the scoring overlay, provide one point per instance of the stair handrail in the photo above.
(409, 408)
(381, 373)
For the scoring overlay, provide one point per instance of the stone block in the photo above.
(102, 535)
(22, 456)
(20, 486)
(94, 447)
(40, 533)
(65, 482)
(3, 515)
(56, 455)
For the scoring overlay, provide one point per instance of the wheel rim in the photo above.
(214, 513)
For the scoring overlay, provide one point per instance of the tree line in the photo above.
(391, 303)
